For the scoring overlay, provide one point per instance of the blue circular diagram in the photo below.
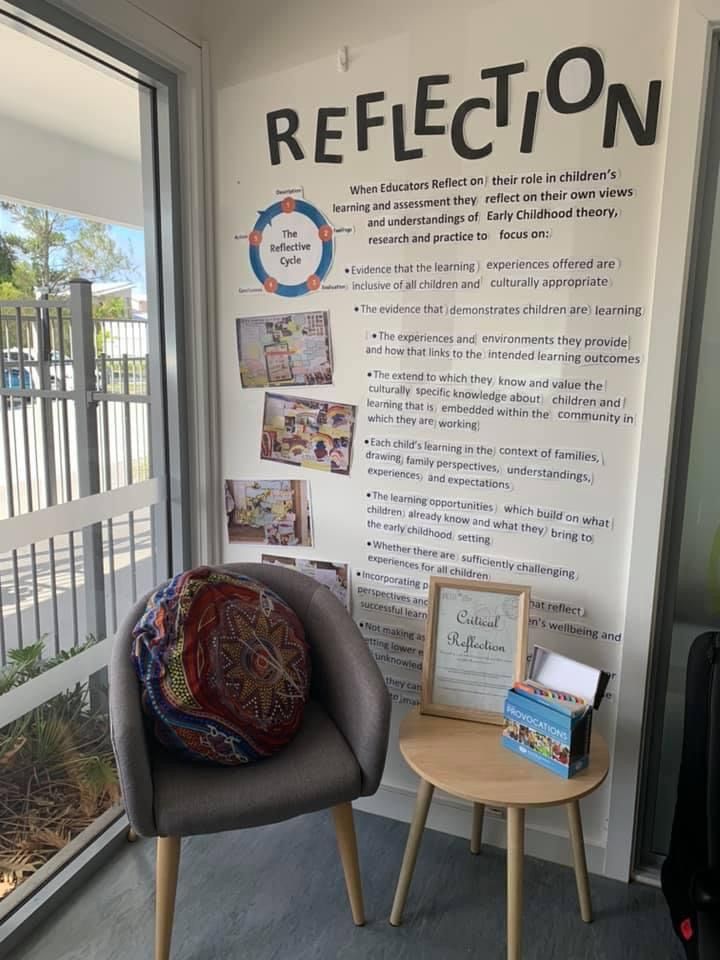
(325, 232)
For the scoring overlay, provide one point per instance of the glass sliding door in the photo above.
(90, 487)
(689, 597)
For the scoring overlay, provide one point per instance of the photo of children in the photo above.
(275, 512)
(308, 433)
(292, 349)
(335, 576)
(537, 742)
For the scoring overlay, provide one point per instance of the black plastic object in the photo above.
(691, 872)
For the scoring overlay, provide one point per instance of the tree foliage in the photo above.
(110, 308)
(8, 291)
(8, 257)
(49, 249)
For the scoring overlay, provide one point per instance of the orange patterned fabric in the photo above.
(224, 667)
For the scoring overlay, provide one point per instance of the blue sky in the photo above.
(131, 241)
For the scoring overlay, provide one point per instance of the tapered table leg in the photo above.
(422, 805)
(477, 825)
(515, 855)
(578, 849)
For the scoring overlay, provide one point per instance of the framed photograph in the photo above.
(475, 648)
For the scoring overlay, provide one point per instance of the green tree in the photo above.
(8, 257)
(110, 308)
(51, 248)
(107, 308)
(8, 291)
(23, 279)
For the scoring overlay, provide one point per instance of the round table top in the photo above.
(468, 760)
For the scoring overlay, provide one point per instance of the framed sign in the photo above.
(475, 648)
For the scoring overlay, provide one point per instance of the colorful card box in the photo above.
(540, 730)
(546, 735)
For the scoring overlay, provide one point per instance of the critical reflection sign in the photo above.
(475, 647)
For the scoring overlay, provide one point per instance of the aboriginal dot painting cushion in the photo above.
(223, 665)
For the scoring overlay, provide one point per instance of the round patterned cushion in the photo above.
(223, 665)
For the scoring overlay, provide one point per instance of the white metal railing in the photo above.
(75, 443)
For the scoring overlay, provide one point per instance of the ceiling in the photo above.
(63, 93)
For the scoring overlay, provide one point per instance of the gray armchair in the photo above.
(337, 756)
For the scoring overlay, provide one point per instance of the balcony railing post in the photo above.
(88, 460)
(44, 356)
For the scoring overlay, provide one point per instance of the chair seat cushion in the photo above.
(223, 665)
(317, 770)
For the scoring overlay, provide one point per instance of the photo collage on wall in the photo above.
(308, 433)
(291, 350)
(335, 576)
(269, 511)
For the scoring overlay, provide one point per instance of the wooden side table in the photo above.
(468, 760)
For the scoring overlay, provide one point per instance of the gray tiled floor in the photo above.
(277, 893)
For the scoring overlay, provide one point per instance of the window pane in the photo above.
(82, 421)
(58, 774)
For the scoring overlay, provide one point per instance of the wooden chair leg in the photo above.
(168, 861)
(578, 849)
(477, 825)
(347, 845)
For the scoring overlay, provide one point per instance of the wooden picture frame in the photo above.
(462, 679)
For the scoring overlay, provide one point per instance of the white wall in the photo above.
(185, 16)
(287, 57)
